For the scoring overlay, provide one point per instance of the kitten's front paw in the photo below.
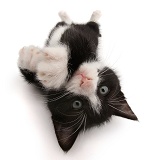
(29, 57)
(52, 71)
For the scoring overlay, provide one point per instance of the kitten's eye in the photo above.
(77, 104)
(104, 90)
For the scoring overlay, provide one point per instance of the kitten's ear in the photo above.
(66, 135)
(124, 110)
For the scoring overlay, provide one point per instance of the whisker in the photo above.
(104, 71)
(38, 86)
(58, 92)
(67, 128)
(69, 121)
(115, 92)
(116, 108)
(115, 104)
(107, 74)
(69, 114)
(47, 94)
(117, 101)
(108, 55)
(85, 123)
(115, 61)
(107, 59)
(116, 98)
(57, 98)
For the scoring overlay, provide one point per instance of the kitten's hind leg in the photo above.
(64, 17)
(45, 67)
(95, 16)
(29, 57)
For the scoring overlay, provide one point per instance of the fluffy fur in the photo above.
(81, 92)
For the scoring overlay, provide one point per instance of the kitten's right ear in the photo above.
(121, 108)
(124, 110)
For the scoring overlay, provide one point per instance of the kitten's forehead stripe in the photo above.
(89, 69)
(57, 34)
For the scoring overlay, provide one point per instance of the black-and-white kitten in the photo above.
(81, 91)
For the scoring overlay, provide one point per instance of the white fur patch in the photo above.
(89, 70)
(52, 71)
(95, 16)
(57, 34)
(64, 17)
(29, 57)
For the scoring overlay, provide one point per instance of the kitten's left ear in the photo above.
(124, 110)
(66, 135)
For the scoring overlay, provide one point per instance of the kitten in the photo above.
(81, 91)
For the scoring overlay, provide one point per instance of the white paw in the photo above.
(64, 17)
(62, 14)
(95, 16)
(29, 58)
(52, 71)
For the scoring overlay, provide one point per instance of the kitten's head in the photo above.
(89, 99)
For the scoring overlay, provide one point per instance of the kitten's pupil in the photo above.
(77, 104)
(104, 90)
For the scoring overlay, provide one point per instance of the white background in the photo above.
(131, 43)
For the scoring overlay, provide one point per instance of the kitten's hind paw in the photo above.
(64, 17)
(95, 16)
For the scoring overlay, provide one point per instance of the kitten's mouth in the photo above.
(84, 82)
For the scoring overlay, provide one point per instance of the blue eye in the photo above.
(77, 104)
(103, 90)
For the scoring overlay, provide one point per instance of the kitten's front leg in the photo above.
(52, 72)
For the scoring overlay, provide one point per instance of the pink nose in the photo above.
(84, 79)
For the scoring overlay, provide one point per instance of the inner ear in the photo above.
(122, 109)
(66, 134)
